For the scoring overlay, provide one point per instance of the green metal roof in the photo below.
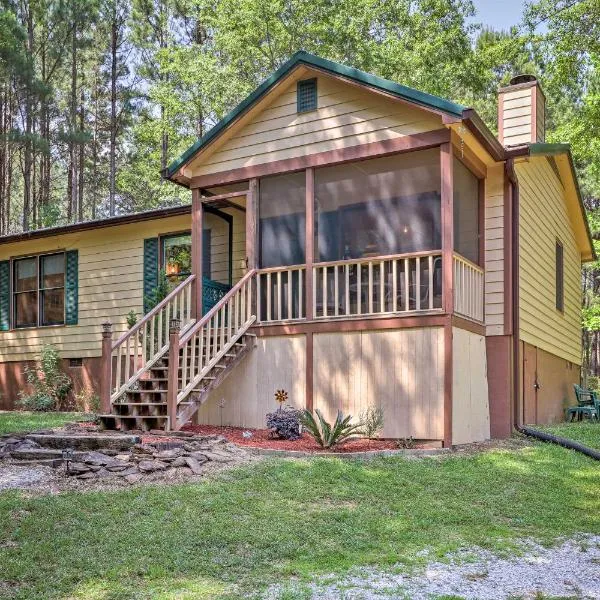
(302, 57)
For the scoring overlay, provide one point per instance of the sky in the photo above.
(499, 14)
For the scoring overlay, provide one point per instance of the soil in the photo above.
(262, 438)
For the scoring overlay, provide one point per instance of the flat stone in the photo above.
(199, 456)
(95, 458)
(117, 467)
(124, 457)
(47, 462)
(194, 465)
(152, 465)
(77, 468)
(179, 462)
(133, 478)
(34, 454)
(84, 442)
(217, 457)
(171, 454)
(129, 471)
(11, 440)
(88, 475)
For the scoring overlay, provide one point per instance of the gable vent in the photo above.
(307, 95)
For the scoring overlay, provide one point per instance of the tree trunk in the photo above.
(114, 34)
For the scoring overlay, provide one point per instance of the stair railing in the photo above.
(139, 348)
(209, 340)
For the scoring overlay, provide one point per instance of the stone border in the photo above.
(365, 454)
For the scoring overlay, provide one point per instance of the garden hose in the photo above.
(564, 442)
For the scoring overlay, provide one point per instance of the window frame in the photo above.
(161, 249)
(38, 290)
(559, 276)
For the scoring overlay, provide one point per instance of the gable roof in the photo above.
(305, 58)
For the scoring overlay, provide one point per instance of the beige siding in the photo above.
(494, 250)
(470, 405)
(110, 282)
(543, 219)
(515, 122)
(248, 394)
(347, 116)
(401, 371)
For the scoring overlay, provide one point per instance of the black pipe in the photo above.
(564, 442)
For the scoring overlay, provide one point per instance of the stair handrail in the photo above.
(154, 311)
(139, 348)
(183, 339)
(227, 321)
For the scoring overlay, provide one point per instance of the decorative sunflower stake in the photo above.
(281, 396)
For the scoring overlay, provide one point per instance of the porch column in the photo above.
(197, 224)
(308, 303)
(252, 225)
(447, 200)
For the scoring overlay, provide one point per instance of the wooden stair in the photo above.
(145, 407)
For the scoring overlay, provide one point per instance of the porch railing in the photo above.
(140, 347)
(280, 293)
(378, 285)
(468, 288)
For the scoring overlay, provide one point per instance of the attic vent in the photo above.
(307, 95)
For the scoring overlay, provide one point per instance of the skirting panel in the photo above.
(248, 393)
(401, 371)
(470, 404)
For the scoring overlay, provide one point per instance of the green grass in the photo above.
(585, 432)
(277, 520)
(14, 421)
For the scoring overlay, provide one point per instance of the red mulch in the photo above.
(261, 439)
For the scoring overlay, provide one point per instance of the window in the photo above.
(39, 290)
(306, 95)
(560, 285)
(466, 212)
(176, 257)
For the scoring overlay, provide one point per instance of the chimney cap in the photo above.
(523, 78)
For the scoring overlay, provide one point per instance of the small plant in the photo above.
(284, 423)
(160, 292)
(406, 443)
(50, 385)
(372, 421)
(87, 401)
(326, 435)
(131, 318)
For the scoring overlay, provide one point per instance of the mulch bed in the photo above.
(261, 439)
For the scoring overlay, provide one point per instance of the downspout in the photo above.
(512, 176)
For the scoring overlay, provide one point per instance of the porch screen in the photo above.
(377, 207)
(282, 219)
(466, 212)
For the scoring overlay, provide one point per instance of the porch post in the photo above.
(106, 368)
(252, 224)
(308, 303)
(173, 373)
(197, 251)
(447, 200)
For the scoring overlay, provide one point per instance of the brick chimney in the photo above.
(521, 111)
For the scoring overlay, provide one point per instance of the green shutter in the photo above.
(5, 295)
(72, 287)
(150, 270)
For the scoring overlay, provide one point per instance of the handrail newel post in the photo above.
(106, 370)
(173, 372)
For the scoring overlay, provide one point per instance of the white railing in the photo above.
(378, 285)
(468, 288)
(280, 293)
(210, 339)
(140, 347)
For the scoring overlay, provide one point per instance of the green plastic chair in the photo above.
(588, 405)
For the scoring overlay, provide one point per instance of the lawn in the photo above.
(585, 432)
(14, 421)
(274, 520)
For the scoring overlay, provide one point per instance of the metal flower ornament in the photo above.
(281, 396)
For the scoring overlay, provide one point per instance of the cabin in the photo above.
(350, 240)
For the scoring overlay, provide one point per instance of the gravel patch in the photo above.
(16, 477)
(569, 570)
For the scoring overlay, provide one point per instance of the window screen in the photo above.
(307, 95)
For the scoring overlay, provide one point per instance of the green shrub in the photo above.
(50, 385)
(326, 435)
(372, 421)
(160, 292)
(87, 401)
(131, 318)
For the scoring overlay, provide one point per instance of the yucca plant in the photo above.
(326, 435)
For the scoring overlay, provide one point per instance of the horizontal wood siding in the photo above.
(515, 120)
(494, 250)
(347, 116)
(110, 282)
(470, 402)
(248, 393)
(543, 219)
(398, 370)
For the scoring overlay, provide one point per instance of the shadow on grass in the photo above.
(279, 519)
